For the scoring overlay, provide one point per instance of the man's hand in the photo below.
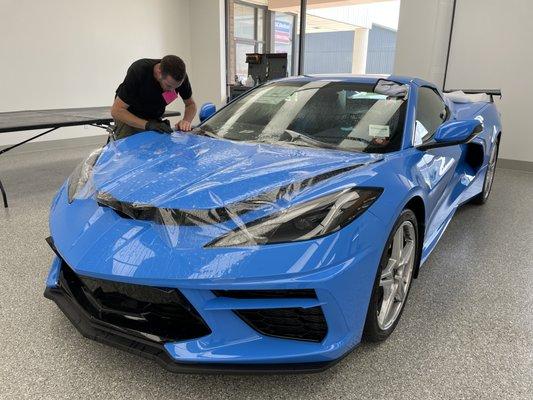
(184, 125)
(158, 126)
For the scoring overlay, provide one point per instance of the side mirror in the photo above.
(454, 132)
(206, 111)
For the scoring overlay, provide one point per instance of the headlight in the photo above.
(309, 220)
(77, 181)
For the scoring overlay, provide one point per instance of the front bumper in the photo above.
(234, 346)
(339, 268)
(95, 330)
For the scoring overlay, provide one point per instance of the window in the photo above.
(241, 67)
(342, 36)
(357, 37)
(283, 36)
(317, 113)
(253, 27)
(244, 21)
(248, 36)
(431, 112)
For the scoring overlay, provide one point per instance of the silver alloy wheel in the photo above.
(491, 168)
(396, 275)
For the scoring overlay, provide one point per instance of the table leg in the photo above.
(4, 195)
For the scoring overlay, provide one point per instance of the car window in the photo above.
(430, 114)
(319, 113)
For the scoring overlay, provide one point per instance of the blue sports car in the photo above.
(287, 227)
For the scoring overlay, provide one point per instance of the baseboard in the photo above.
(515, 164)
(46, 145)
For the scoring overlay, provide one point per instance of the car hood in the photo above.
(189, 171)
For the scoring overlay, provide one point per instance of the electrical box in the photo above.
(262, 68)
(265, 67)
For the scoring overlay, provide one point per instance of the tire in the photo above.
(482, 197)
(387, 293)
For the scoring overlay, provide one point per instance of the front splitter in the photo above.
(107, 334)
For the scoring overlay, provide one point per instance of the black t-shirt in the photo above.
(143, 93)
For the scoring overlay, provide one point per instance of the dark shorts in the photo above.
(123, 130)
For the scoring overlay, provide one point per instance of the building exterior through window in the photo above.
(350, 36)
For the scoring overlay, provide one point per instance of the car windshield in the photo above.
(320, 113)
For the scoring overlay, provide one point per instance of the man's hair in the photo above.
(173, 66)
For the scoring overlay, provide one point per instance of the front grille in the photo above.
(157, 314)
(290, 323)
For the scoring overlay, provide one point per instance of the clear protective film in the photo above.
(196, 190)
(273, 166)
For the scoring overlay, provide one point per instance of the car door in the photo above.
(439, 169)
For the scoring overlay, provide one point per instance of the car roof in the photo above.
(368, 78)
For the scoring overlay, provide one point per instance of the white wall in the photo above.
(422, 40)
(74, 53)
(208, 51)
(491, 48)
(496, 52)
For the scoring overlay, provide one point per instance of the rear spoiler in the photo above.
(490, 92)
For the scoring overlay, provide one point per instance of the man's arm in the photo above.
(188, 116)
(119, 111)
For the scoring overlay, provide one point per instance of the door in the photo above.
(440, 164)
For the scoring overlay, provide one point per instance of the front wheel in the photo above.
(393, 279)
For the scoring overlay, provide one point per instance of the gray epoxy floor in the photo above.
(466, 333)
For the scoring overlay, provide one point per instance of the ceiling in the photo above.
(294, 5)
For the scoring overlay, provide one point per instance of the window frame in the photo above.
(294, 56)
(233, 41)
(267, 42)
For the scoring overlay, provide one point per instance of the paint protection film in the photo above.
(273, 166)
(196, 190)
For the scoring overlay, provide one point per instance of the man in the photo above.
(150, 85)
